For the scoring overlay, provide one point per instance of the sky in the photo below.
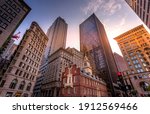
(116, 16)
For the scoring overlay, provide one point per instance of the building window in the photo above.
(74, 90)
(148, 9)
(9, 94)
(14, 6)
(4, 16)
(69, 90)
(9, 2)
(1, 32)
(3, 25)
(20, 73)
(2, 83)
(145, 86)
(13, 84)
(21, 87)
(9, 19)
(9, 11)
(20, 64)
(14, 14)
(17, 71)
(29, 87)
(4, 6)
(18, 10)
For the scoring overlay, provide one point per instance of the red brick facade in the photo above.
(76, 83)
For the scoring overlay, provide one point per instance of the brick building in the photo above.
(78, 82)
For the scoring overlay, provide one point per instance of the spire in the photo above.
(87, 67)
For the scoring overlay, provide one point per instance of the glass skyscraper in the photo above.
(94, 43)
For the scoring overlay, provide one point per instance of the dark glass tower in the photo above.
(94, 42)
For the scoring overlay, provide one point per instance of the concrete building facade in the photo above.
(19, 79)
(57, 62)
(142, 9)
(57, 34)
(135, 47)
(12, 13)
(94, 42)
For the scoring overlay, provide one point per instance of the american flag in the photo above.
(16, 36)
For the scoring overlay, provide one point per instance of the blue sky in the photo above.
(116, 16)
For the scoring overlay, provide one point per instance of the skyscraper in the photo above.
(135, 47)
(12, 13)
(120, 62)
(57, 34)
(142, 9)
(21, 74)
(94, 42)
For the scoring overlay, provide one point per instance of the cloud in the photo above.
(108, 7)
(92, 6)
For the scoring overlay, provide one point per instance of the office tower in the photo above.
(38, 86)
(57, 62)
(57, 34)
(135, 47)
(142, 9)
(80, 82)
(19, 79)
(12, 13)
(37, 91)
(120, 62)
(94, 42)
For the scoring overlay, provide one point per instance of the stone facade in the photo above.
(135, 47)
(21, 74)
(12, 13)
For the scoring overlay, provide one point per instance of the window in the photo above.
(3, 25)
(27, 76)
(64, 80)
(20, 73)
(9, 94)
(9, 19)
(18, 10)
(4, 15)
(2, 83)
(9, 11)
(148, 9)
(1, 32)
(14, 14)
(24, 74)
(29, 87)
(74, 90)
(20, 64)
(14, 6)
(21, 87)
(13, 84)
(4, 6)
(9, 2)
(69, 90)
(144, 4)
(145, 86)
(23, 58)
(17, 71)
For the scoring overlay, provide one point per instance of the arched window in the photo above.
(13, 84)
(145, 86)
(22, 84)
(29, 86)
